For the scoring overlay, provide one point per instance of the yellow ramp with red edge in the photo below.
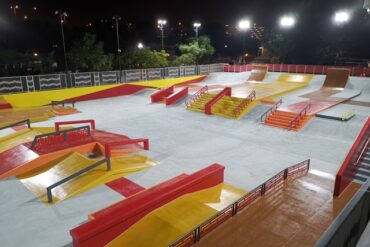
(38, 180)
(175, 219)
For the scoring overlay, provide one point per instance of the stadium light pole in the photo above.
(244, 26)
(118, 18)
(140, 45)
(197, 25)
(14, 8)
(61, 18)
(161, 24)
(367, 6)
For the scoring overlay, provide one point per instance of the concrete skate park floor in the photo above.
(183, 142)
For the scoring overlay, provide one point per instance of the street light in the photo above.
(367, 6)
(287, 21)
(341, 17)
(118, 18)
(14, 8)
(61, 16)
(161, 24)
(140, 45)
(197, 25)
(244, 25)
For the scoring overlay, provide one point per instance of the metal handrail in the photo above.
(269, 111)
(196, 96)
(17, 123)
(244, 103)
(301, 114)
(89, 168)
(234, 206)
(62, 132)
(362, 152)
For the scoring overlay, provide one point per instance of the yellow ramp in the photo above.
(166, 82)
(173, 220)
(37, 181)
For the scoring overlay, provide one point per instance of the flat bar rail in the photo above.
(74, 175)
(271, 110)
(63, 103)
(213, 222)
(27, 121)
(64, 133)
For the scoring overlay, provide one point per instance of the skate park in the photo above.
(183, 145)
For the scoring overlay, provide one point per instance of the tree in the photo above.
(144, 58)
(278, 45)
(201, 51)
(87, 54)
(184, 59)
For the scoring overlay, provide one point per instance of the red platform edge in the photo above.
(114, 220)
(125, 187)
(349, 168)
(4, 106)
(208, 107)
(196, 80)
(176, 96)
(158, 96)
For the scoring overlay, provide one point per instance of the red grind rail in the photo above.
(349, 168)
(90, 121)
(158, 96)
(295, 68)
(119, 217)
(208, 106)
(176, 96)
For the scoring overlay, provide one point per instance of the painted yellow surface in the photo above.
(22, 136)
(173, 220)
(164, 83)
(38, 180)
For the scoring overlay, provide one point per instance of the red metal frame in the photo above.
(208, 107)
(349, 168)
(158, 96)
(176, 96)
(90, 121)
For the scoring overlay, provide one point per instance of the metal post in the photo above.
(162, 34)
(108, 164)
(63, 39)
(117, 18)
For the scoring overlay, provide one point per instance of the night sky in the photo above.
(314, 22)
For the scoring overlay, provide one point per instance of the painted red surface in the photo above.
(109, 146)
(126, 89)
(208, 106)
(316, 106)
(125, 187)
(158, 96)
(119, 217)
(5, 105)
(15, 157)
(349, 168)
(176, 96)
(19, 127)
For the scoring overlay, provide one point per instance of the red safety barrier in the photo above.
(110, 146)
(90, 121)
(176, 96)
(161, 94)
(350, 166)
(208, 106)
(119, 217)
(295, 68)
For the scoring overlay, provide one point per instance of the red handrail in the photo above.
(90, 121)
(244, 103)
(196, 96)
(299, 116)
